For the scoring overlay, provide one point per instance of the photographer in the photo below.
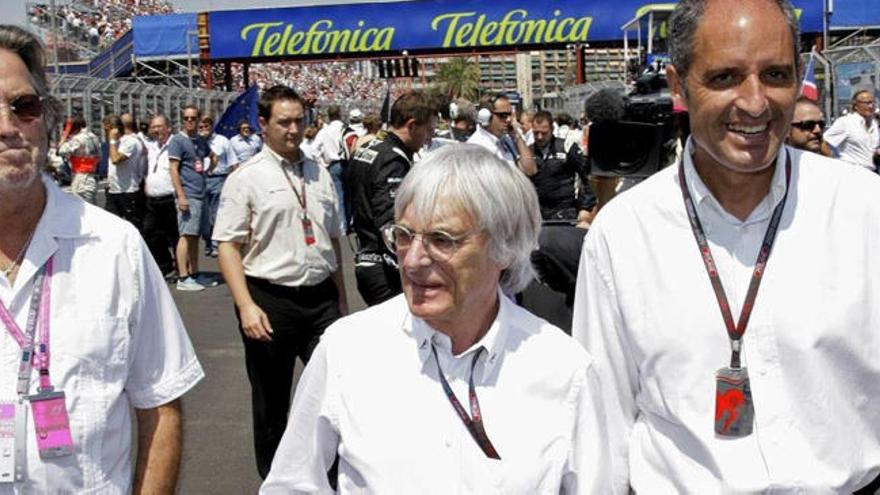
(500, 133)
(558, 164)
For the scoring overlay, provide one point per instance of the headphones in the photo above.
(484, 116)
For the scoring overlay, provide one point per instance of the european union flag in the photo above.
(242, 108)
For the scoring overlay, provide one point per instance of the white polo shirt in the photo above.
(116, 342)
(492, 143)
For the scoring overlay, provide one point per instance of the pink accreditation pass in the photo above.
(51, 423)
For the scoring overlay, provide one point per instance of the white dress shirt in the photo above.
(645, 308)
(259, 210)
(328, 143)
(125, 176)
(492, 143)
(116, 341)
(371, 393)
(855, 142)
(241, 148)
(158, 182)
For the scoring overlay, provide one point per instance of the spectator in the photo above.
(856, 136)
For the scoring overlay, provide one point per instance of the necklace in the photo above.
(15, 262)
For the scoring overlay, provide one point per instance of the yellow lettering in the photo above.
(581, 29)
(462, 34)
(561, 28)
(453, 25)
(487, 32)
(383, 41)
(534, 30)
(366, 45)
(258, 41)
(294, 42)
(508, 24)
(273, 43)
(335, 37)
(313, 37)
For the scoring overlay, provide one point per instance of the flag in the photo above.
(809, 89)
(244, 107)
(386, 106)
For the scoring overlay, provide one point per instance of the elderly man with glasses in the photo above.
(807, 127)
(855, 135)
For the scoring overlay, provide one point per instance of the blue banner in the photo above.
(431, 26)
(165, 35)
(243, 108)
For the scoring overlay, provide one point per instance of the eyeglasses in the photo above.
(809, 125)
(189, 119)
(502, 115)
(26, 107)
(439, 245)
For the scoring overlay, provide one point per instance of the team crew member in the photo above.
(730, 359)
(278, 229)
(83, 149)
(856, 135)
(374, 175)
(117, 346)
(559, 166)
(500, 133)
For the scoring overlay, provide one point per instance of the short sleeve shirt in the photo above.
(191, 154)
(259, 209)
(124, 177)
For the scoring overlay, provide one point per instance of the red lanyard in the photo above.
(41, 301)
(301, 198)
(735, 332)
(474, 422)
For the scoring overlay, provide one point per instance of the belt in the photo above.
(217, 175)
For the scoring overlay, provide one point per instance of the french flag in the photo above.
(809, 89)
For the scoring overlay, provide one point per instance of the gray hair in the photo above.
(30, 50)
(685, 20)
(500, 199)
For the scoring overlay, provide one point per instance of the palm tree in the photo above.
(459, 78)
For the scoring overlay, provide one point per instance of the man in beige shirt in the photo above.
(278, 228)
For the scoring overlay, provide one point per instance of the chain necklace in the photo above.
(18, 258)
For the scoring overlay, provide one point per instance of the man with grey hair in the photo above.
(463, 251)
(117, 343)
(856, 135)
(712, 385)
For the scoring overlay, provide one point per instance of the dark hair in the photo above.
(564, 119)
(412, 105)
(113, 122)
(273, 94)
(29, 49)
(685, 20)
(334, 113)
(490, 100)
(542, 116)
(78, 122)
(192, 106)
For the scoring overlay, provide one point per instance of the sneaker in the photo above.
(206, 280)
(189, 284)
(214, 253)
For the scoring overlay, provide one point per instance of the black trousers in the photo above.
(160, 230)
(126, 206)
(298, 316)
(377, 282)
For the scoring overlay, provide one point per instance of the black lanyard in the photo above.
(735, 332)
(474, 422)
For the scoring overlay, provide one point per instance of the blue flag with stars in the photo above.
(242, 108)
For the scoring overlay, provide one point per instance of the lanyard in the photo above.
(38, 312)
(301, 198)
(735, 332)
(474, 422)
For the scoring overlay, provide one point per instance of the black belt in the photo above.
(218, 175)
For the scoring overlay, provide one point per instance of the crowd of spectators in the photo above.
(95, 24)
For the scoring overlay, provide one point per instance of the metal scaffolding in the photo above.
(97, 98)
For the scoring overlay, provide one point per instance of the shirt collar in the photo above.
(703, 197)
(284, 162)
(488, 135)
(494, 341)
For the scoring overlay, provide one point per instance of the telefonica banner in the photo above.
(432, 25)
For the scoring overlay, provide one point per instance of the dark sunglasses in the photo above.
(27, 107)
(190, 119)
(502, 115)
(809, 125)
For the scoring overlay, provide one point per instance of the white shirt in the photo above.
(492, 143)
(854, 142)
(116, 341)
(125, 176)
(158, 183)
(371, 393)
(328, 143)
(242, 149)
(259, 210)
(220, 147)
(645, 308)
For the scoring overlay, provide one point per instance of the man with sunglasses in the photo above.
(807, 127)
(856, 135)
(83, 149)
(90, 339)
(499, 132)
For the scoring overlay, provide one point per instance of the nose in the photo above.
(753, 96)
(416, 256)
(8, 123)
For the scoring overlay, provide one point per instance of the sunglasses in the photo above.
(809, 125)
(26, 107)
(502, 115)
(190, 119)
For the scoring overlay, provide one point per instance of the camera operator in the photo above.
(558, 167)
